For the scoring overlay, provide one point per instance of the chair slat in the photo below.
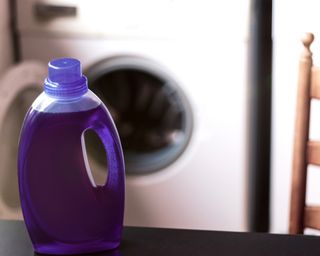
(313, 152)
(315, 83)
(312, 217)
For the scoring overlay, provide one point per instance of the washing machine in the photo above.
(6, 51)
(173, 75)
(17, 91)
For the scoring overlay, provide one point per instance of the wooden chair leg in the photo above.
(299, 175)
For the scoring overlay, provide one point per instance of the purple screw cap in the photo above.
(65, 79)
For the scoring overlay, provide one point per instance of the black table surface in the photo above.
(138, 241)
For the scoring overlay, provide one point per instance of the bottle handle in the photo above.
(108, 134)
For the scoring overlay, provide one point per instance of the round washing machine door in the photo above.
(150, 110)
(19, 86)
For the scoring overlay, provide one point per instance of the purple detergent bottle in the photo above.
(65, 212)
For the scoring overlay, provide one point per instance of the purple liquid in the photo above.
(64, 213)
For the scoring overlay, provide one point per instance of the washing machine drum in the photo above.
(150, 110)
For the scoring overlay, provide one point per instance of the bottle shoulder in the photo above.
(48, 104)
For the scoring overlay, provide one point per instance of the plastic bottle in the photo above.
(65, 212)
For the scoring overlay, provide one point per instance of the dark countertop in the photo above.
(14, 241)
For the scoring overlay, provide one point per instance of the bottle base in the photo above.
(58, 248)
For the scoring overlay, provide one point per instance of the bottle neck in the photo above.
(66, 90)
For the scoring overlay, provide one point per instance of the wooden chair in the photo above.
(305, 151)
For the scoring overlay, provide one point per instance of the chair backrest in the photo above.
(305, 151)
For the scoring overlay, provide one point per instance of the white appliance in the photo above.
(193, 54)
(16, 93)
(291, 20)
(19, 86)
(6, 51)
